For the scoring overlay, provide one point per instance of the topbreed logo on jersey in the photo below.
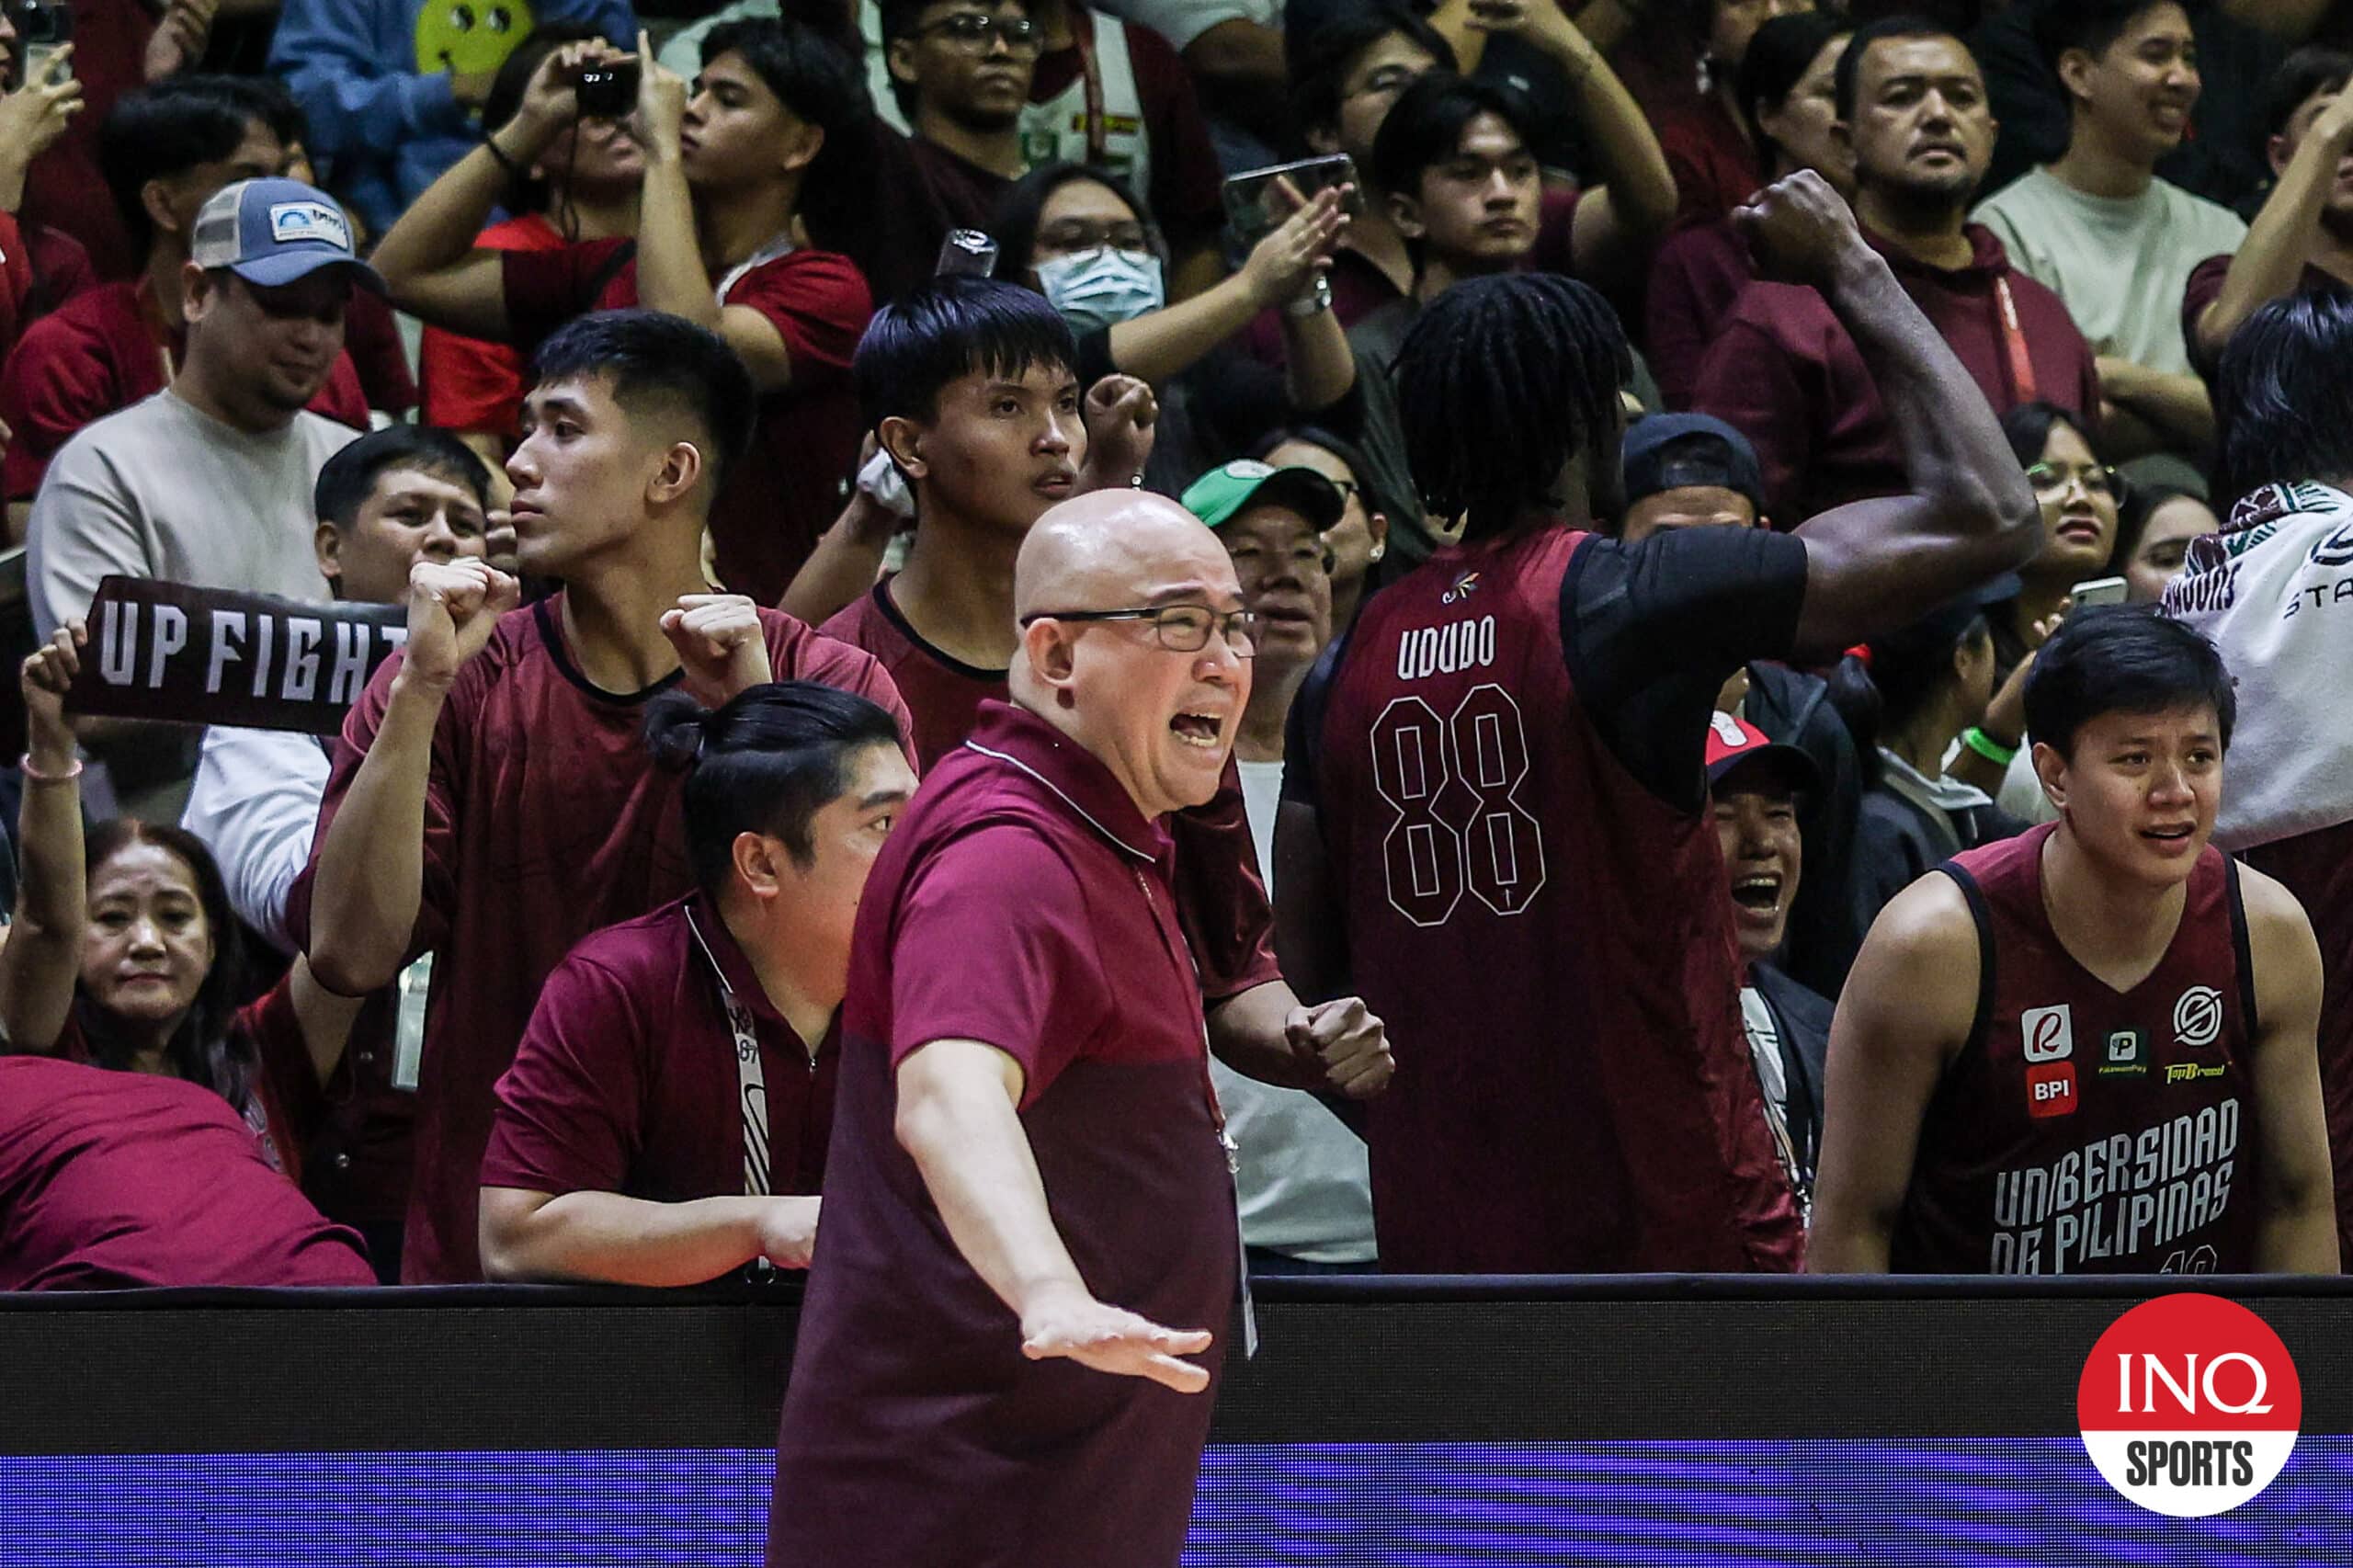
(2189, 1406)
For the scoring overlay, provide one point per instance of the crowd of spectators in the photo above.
(638, 365)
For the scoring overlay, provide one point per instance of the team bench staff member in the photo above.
(1025, 1134)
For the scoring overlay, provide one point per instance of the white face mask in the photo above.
(1096, 288)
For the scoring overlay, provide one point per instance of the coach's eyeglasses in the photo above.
(1182, 629)
(974, 30)
(2051, 479)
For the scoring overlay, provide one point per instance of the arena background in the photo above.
(1422, 1424)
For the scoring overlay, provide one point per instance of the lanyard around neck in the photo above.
(751, 1077)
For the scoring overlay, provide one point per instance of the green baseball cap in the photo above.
(1225, 490)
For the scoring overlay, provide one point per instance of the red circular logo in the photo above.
(2189, 1406)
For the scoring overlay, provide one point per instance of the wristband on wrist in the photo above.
(34, 776)
(1315, 303)
(498, 155)
(1986, 747)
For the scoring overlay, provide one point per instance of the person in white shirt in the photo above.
(2108, 237)
(1306, 1189)
(389, 501)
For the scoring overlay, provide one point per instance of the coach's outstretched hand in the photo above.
(453, 607)
(1800, 230)
(1348, 1043)
(1066, 1321)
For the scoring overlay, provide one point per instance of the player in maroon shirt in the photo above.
(734, 177)
(493, 802)
(2091, 1048)
(1495, 815)
(637, 1139)
(970, 388)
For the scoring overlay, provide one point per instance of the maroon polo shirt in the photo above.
(112, 1180)
(1694, 284)
(545, 820)
(95, 354)
(1024, 903)
(1784, 372)
(1221, 894)
(1715, 168)
(625, 1079)
(2205, 287)
(787, 489)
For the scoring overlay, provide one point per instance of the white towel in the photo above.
(2274, 590)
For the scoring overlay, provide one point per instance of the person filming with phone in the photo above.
(733, 162)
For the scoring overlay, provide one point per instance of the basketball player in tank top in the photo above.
(2089, 1049)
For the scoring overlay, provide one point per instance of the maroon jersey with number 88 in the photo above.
(1551, 945)
(2084, 1129)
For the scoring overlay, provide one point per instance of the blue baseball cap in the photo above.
(271, 232)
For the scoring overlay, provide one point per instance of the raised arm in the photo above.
(956, 1118)
(1631, 200)
(2271, 258)
(427, 259)
(670, 272)
(1905, 1013)
(1969, 514)
(43, 955)
(368, 885)
(1280, 269)
(2295, 1194)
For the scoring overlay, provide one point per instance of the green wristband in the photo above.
(1989, 748)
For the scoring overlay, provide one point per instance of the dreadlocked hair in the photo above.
(1500, 381)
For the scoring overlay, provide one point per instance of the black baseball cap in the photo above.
(1670, 451)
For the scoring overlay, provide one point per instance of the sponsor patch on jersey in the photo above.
(2197, 1017)
(2048, 1034)
(2050, 1089)
(2127, 1052)
(1464, 587)
(2190, 1072)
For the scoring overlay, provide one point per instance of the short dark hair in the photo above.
(767, 760)
(1777, 62)
(811, 64)
(1849, 78)
(2122, 659)
(2316, 68)
(952, 327)
(2092, 26)
(1500, 381)
(651, 356)
(2028, 427)
(1014, 222)
(1322, 55)
(1425, 126)
(2280, 394)
(182, 122)
(350, 477)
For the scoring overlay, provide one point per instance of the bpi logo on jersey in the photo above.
(2189, 1406)
(2049, 1033)
(2198, 1016)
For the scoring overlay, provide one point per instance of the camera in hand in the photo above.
(608, 91)
(43, 27)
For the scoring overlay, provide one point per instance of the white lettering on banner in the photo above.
(171, 636)
(228, 630)
(2117, 1195)
(302, 636)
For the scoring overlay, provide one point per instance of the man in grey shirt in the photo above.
(209, 482)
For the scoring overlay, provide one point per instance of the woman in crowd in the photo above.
(125, 953)
(2079, 495)
(2154, 529)
(1786, 91)
(1304, 1185)
(1359, 540)
(1080, 237)
(1907, 697)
